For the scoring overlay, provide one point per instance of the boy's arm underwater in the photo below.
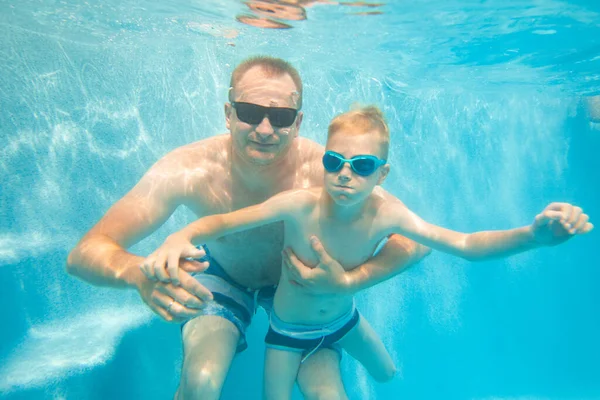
(164, 261)
(557, 223)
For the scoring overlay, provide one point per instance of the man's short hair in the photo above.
(360, 121)
(272, 67)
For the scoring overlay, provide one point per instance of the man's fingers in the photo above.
(191, 285)
(174, 312)
(159, 303)
(178, 294)
(296, 268)
(181, 312)
(163, 313)
(318, 248)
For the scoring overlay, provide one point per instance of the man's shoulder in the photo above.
(209, 146)
(191, 167)
(309, 148)
(198, 154)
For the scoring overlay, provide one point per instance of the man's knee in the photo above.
(324, 393)
(201, 381)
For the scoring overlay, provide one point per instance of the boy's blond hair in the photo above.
(363, 120)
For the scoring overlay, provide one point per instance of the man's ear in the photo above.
(298, 122)
(384, 170)
(228, 111)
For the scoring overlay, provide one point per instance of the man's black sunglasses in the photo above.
(253, 114)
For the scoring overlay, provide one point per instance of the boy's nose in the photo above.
(345, 173)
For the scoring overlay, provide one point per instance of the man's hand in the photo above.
(558, 223)
(327, 277)
(176, 303)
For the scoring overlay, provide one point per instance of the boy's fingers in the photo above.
(147, 268)
(547, 216)
(574, 215)
(159, 267)
(578, 225)
(193, 265)
(586, 228)
(193, 252)
(173, 266)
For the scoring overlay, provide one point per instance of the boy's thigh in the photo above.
(320, 373)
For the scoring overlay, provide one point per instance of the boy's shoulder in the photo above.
(386, 207)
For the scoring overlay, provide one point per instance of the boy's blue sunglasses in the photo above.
(363, 165)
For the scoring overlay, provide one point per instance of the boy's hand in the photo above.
(163, 264)
(327, 277)
(558, 223)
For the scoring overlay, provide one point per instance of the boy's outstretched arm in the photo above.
(163, 263)
(557, 223)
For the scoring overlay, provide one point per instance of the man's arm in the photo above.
(398, 254)
(101, 258)
(329, 277)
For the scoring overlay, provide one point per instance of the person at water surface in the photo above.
(260, 157)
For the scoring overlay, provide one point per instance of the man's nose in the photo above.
(265, 128)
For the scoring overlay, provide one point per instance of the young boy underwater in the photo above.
(351, 217)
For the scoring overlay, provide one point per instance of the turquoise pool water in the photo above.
(487, 102)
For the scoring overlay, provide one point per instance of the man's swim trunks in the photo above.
(232, 301)
(309, 338)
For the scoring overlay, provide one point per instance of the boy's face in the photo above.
(345, 186)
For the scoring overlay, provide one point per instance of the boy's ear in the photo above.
(384, 170)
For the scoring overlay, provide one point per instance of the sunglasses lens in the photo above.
(331, 162)
(363, 166)
(253, 114)
(282, 117)
(249, 113)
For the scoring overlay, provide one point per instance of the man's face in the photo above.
(345, 186)
(263, 143)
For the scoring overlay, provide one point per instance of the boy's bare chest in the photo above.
(350, 244)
